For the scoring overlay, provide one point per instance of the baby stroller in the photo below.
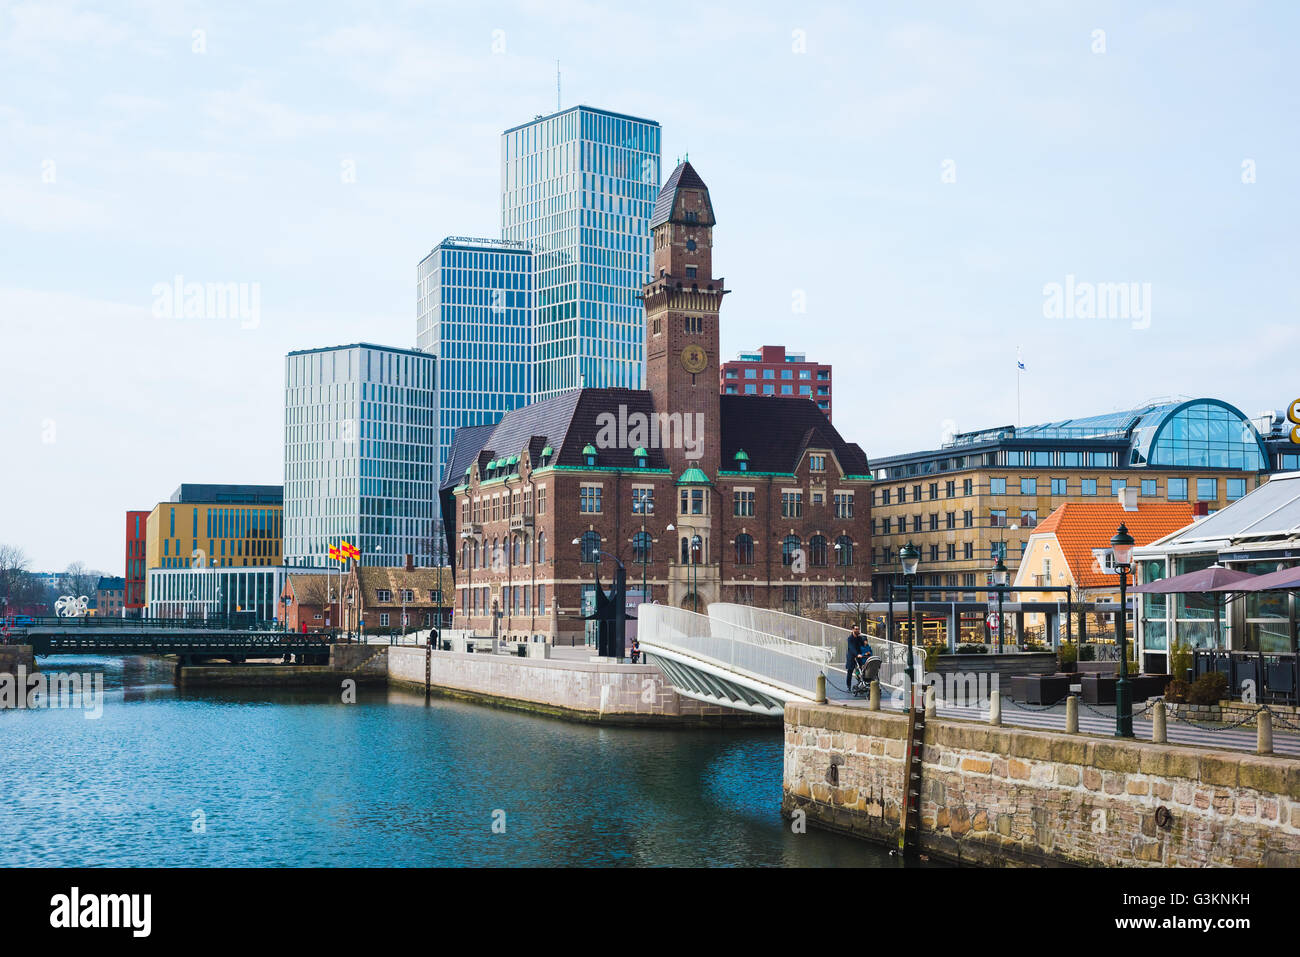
(865, 671)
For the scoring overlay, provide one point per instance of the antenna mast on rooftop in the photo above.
(557, 86)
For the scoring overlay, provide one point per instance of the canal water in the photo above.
(265, 778)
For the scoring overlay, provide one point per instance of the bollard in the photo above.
(995, 708)
(1072, 714)
(875, 695)
(1264, 732)
(821, 689)
(931, 705)
(1159, 733)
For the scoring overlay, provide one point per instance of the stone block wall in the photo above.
(589, 691)
(12, 656)
(1012, 796)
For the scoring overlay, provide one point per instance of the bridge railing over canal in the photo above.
(736, 652)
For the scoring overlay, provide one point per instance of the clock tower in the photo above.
(682, 300)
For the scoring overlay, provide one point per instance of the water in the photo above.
(301, 779)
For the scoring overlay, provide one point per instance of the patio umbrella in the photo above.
(1216, 578)
(1283, 580)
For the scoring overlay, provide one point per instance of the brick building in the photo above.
(774, 371)
(137, 523)
(702, 496)
(110, 596)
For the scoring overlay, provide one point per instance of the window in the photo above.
(967, 519)
(694, 325)
(383, 619)
(843, 504)
(968, 552)
(817, 551)
(1148, 488)
(743, 504)
(950, 489)
(1176, 489)
(589, 499)
(817, 463)
(1118, 485)
(690, 272)
(934, 553)
(934, 490)
(792, 504)
(1029, 486)
(407, 595)
(643, 501)
(541, 500)
(590, 546)
(744, 549)
(1236, 488)
(950, 520)
(383, 595)
(998, 517)
(1060, 486)
(789, 547)
(884, 497)
(950, 552)
(641, 543)
(1028, 519)
(1087, 486)
(751, 373)
(997, 486)
(967, 486)
(692, 501)
(844, 551)
(934, 521)
(541, 547)
(1207, 489)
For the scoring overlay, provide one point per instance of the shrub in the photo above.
(1209, 688)
(1177, 690)
(1087, 653)
(1180, 660)
(932, 653)
(1067, 655)
(972, 649)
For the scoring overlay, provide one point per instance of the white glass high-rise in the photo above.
(474, 300)
(578, 187)
(360, 455)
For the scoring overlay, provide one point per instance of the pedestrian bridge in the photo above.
(190, 639)
(756, 660)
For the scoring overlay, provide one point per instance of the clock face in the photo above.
(690, 244)
(694, 359)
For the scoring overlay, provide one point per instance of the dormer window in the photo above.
(589, 455)
(546, 456)
(742, 461)
(641, 457)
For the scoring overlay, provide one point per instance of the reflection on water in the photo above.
(256, 778)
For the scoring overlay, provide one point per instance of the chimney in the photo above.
(1128, 499)
(1200, 509)
(410, 562)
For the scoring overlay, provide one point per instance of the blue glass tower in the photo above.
(474, 303)
(578, 187)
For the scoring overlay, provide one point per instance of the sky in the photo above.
(898, 186)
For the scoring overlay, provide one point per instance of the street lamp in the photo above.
(910, 556)
(1000, 577)
(697, 546)
(1122, 551)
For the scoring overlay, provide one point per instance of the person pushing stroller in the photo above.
(856, 654)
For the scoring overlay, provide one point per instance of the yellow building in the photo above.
(222, 526)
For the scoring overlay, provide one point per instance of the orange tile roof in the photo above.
(1079, 527)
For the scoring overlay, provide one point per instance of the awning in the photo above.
(1214, 578)
(1284, 580)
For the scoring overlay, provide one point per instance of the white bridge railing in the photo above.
(780, 650)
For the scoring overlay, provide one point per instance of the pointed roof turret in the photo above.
(667, 208)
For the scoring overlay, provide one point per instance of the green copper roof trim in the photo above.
(746, 472)
(599, 468)
(694, 476)
(860, 478)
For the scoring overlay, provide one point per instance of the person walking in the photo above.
(852, 653)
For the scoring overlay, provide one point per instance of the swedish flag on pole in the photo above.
(1020, 367)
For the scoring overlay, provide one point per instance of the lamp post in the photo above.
(1000, 577)
(697, 546)
(1122, 551)
(910, 556)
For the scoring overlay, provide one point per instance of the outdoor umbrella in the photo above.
(1283, 580)
(1216, 578)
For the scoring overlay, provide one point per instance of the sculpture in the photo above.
(70, 606)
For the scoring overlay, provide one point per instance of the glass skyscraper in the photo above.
(360, 455)
(474, 301)
(578, 188)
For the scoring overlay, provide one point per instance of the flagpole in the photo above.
(1020, 367)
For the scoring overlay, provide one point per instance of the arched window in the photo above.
(464, 554)
(495, 561)
(641, 548)
(744, 549)
(514, 549)
(844, 550)
(541, 548)
(791, 545)
(817, 550)
(590, 546)
(686, 550)
(528, 549)
(475, 554)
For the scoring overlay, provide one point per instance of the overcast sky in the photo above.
(915, 174)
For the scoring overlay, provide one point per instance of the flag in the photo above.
(1020, 365)
(335, 554)
(349, 550)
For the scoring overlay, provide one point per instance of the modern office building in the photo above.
(981, 494)
(220, 592)
(475, 316)
(773, 371)
(137, 524)
(360, 454)
(578, 188)
(205, 526)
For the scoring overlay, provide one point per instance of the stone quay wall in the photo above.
(13, 656)
(1012, 796)
(603, 692)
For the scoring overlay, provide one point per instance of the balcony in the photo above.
(521, 521)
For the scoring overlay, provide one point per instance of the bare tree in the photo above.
(77, 580)
(13, 570)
